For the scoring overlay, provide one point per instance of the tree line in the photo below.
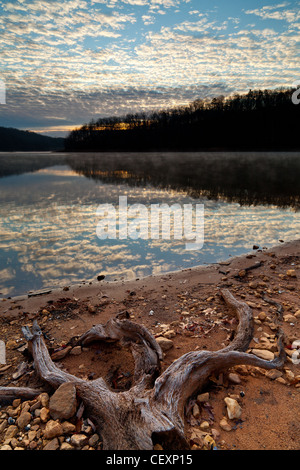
(258, 120)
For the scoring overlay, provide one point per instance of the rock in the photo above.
(164, 343)
(196, 411)
(79, 440)
(53, 429)
(169, 334)
(215, 434)
(297, 314)
(291, 273)
(225, 425)
(68, 428)
(100, 277)
(44, 414)
(290, 318)
(263, 354)
(11, 432)
(262, 316)
(76, 351)
(93, 440)
(234, 378)
(24, 419)
(66, 446)
(203, 397)
(63, 402)
(44, 399)
(158, 447)
(273, 374)
(233, 408)
(5, 447)
(204, 426)
(52, 445)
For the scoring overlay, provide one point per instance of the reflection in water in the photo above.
(246, 178)
(48, 217)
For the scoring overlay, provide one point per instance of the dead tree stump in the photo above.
(152, 410)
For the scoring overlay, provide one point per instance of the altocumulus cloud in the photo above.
(66, 62)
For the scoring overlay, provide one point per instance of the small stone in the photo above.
(11, 432)
(225, 425)
(44, 399)
(52, 445)
(93, 440)
(290, 318)
(203, 397)
(79, 440)
(5, 447)
(273, 374)
(67, 427)
(233, 408)
(291, 273)
(92, 309)
(204, 426)
(262, 316)
(66, 446)
(297, 314)
(24, 419)
(169, 334)
(158, 447)
(234, 378)
(63, 402)
(263, 354)
(44, 414)
(76, 351)
(164, 343)
(196, 411)
(53, 429)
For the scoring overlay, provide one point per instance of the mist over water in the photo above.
(48, 206)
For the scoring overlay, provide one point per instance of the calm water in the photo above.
(48, 217)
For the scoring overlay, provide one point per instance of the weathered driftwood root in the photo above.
(153, 409)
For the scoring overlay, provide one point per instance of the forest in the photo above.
(257, 120)
(14, 140)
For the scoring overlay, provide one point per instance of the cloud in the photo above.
(78, 60)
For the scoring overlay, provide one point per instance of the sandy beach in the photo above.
(186, 308)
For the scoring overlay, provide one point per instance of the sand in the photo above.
(191, 299)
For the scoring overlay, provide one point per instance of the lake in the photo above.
(49, 219)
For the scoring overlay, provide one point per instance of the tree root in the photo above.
(154, 406)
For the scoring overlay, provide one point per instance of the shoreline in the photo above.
(93, 285)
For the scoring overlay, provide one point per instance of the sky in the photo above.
(64, 63)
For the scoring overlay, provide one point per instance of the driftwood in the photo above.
(153, 409)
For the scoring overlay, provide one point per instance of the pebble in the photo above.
(233, 408)
(291, 273)
(53, 434)
(164, 343)
(225, 425)
(263, 354)
(63, 402)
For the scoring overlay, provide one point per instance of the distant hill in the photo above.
(257, 120)
(14, 140)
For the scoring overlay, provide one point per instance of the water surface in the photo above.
(48, 217)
